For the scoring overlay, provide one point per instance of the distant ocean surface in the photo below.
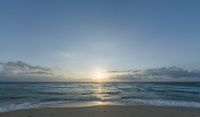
(15, 96)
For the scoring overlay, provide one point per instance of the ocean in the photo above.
(15, 96)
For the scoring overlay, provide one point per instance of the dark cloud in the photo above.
(157, 74)
(21, 71)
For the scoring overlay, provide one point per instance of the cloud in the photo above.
(21, 71)
(156, 74)
(24, 72)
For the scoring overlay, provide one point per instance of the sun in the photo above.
(99, 76)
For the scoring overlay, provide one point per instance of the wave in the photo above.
(170, 103)
(36, 95)
(27, 105)
(11, 107)
(162, 103)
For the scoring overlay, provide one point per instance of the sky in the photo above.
(80, 38)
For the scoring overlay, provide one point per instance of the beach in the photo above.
(105, 111)
(99, 58)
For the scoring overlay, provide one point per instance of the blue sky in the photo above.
(79, 36)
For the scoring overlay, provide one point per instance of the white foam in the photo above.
(27, 105)
(171, 103)
(11, 107)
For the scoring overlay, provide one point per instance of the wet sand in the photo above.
(105, 111)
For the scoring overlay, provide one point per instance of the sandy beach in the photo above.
(105, 111)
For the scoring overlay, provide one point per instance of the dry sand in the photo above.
(105, 111)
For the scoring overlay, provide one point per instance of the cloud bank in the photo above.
(21, 71)
(166, 74)
(24, 72)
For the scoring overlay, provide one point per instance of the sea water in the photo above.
(14, 96)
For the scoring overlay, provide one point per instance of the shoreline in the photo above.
(24, 107)
(105, 111)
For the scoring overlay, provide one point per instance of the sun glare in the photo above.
(99, 76)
